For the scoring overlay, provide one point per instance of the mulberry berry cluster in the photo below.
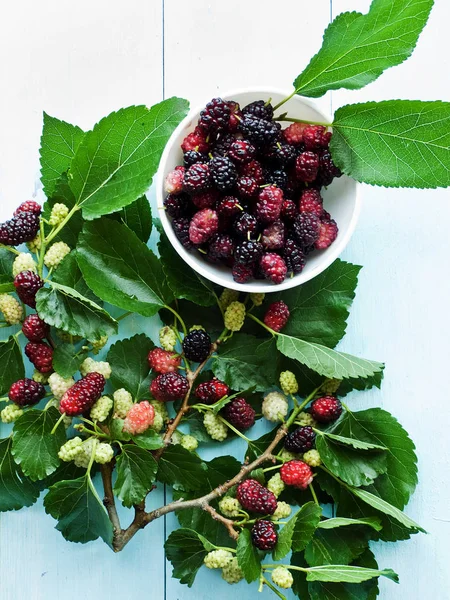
(248, 194)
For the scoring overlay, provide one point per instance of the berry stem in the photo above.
(236, 431)
(58, 423)
(41, 250)
(292, 120)
(9, 248)
(262, 324)
(277, 106)
(272, 468)
(313, 494)
(63, 223)
(174, 312)
(301, 406)
(273, 588)
(126, 314)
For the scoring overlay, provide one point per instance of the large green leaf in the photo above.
(16, 490)
(376, 425)
(11, 364)
(246, 361)
(138, 217)
(136, 471)
(325, 361)
(66, 309)
(115, 163)
(336, 522)
(396, 143)
(220, 469)
(366, 590)
(129, 366)
(180, 467)
(386, 508)
(79, 511)
(356, 467)
(121, 269)
(320, 307)
(183, 280)
(59, 142)
(357, 48)
(186, 550)
(69, 274)
(347, 574)
(336, 546)
(35, 444)
(248, 557)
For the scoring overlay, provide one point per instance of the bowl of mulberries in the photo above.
(251, 199)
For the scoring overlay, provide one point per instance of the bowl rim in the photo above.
(254, 286)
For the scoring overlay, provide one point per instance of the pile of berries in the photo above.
(247, 195)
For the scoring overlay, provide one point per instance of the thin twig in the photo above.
(142, 519)
(109, 501)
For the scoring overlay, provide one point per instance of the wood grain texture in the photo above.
(80, 62)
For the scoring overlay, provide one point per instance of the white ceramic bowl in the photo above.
(341, 199)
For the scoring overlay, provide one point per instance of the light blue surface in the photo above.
(400, 314)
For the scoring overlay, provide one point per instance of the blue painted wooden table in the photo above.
(80, 61)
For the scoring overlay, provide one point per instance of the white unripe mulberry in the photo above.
(58, 214)
(215, 427)
(11, 413)
(89, 365)
(101, 409)
(275, 407)
(55, 254)
(23, 262)
(59, 385)
(282, 577)
(11, 309)
(123, 401)
(217, 559)
(71, 449)
(230, 507)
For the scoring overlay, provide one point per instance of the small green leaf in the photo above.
(59, 142)
(320, 307)
(347, 574)
(355, 467)
(178, 466)
(115, 163)
(120, 268)
(194, 420)
(11, 364)
(184, 281)
(149, 440)
(386, 508)
(67, 359)
(186, 551)
(357, 48)
(116, 432)
(16, 490)
(137, 216)
(373, 522)
(248, 557)
(66, 309)
(354, 443)
(79, 511)
(136, 471)
(396, 143)
(306, 523)
(245, 361)
(35, 445)
(129, 366)
(325, 361)
(336, 546)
